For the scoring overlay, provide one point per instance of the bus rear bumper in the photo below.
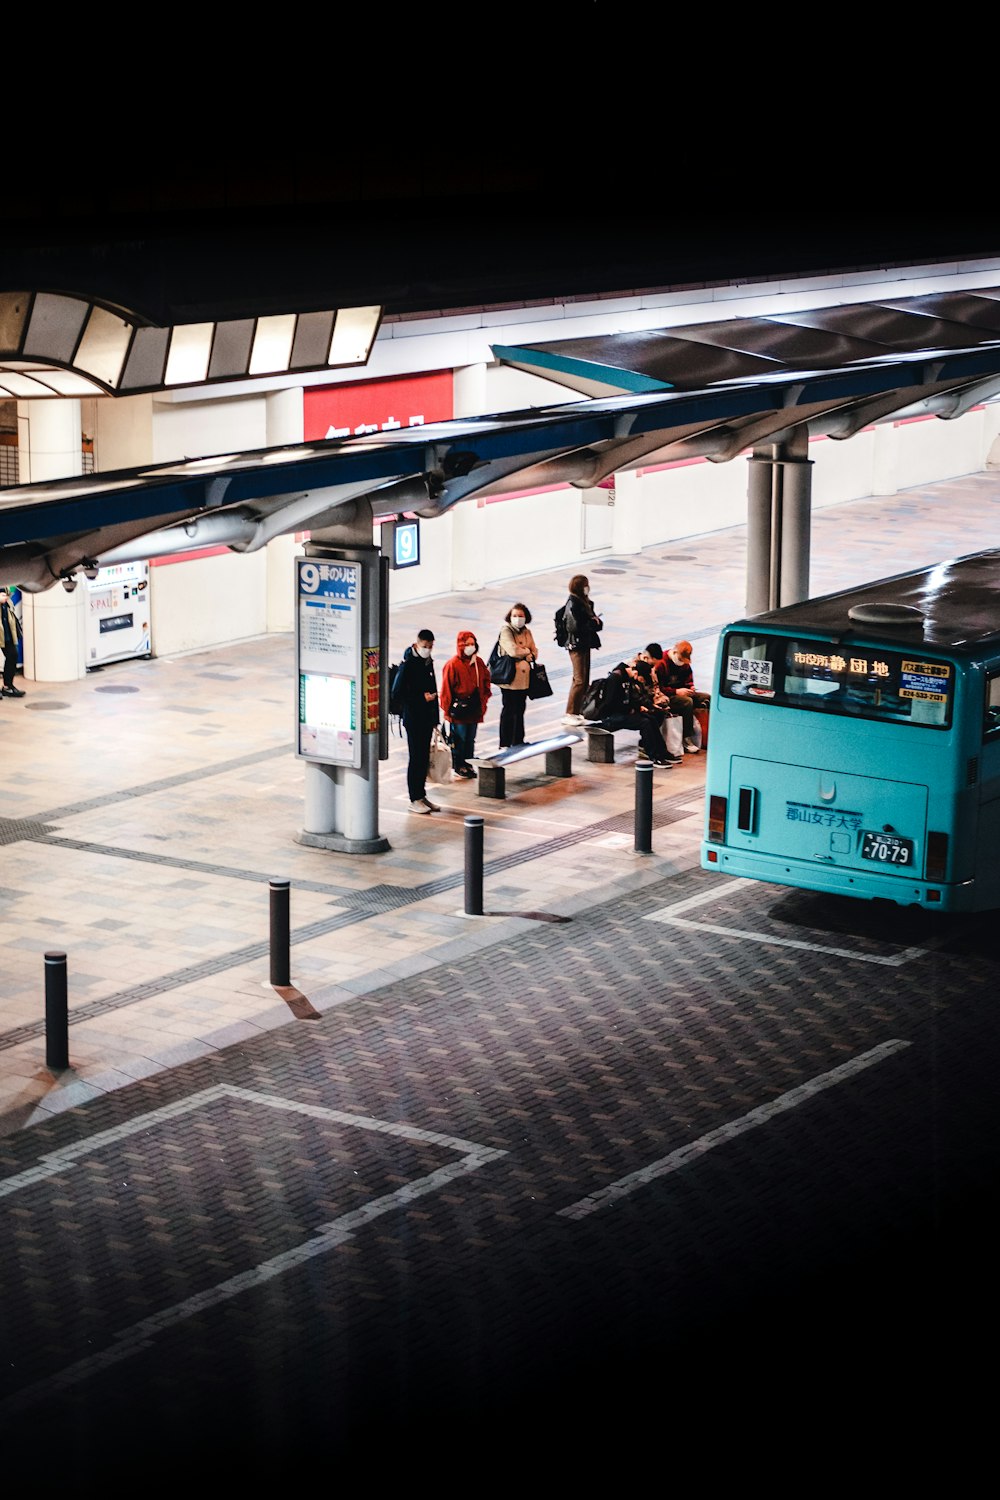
(809, 876)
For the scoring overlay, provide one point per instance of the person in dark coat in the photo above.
(10, 633)
(582, 626)
(419, 695)
(628, 704)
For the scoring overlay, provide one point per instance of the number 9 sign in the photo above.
(403, 543)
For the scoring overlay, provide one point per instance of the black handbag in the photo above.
(539, 685)
(502, 668)
(464, 706)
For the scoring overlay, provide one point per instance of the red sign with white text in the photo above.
(377, 405)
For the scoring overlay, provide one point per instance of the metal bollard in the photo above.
(644, 808)
(56, 1013)
(474, 866)
(281, 972)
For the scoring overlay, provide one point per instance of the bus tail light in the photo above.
(717, 820)
(937, 855)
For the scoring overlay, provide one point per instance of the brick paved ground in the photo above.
(523, 1186)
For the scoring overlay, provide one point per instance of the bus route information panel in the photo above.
(328, 652)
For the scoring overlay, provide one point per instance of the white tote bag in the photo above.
(673, 733)
(439, 765)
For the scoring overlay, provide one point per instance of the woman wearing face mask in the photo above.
(581, 624)
(465, 692)
(516, 640)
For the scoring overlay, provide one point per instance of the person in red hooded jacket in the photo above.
(465, 692)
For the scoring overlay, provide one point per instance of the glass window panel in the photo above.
(272, 345)
(991, 720)
(23, 385)
(353, 333)
(68, 383)
(312, 341)
(13, 309)
(850, 680)
(231, 349)
(54, 328)
(145, 363)
(190, 347)
(104, 346)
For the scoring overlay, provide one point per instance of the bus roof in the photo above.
(955, 605)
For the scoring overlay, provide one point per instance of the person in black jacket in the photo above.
(582, 626)
(628, 704)
(419, 695)
(10, 634)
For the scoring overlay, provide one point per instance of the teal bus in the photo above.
(854, 742)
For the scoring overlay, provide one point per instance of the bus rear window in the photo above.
(862, 682)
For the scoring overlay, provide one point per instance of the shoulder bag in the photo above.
(502, 668)
(539, 685)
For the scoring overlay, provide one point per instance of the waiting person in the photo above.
(628, 704)
(419, 696)
(465, 692)
(516, 640)
(11, 630)
(581, 624)
(675, 678)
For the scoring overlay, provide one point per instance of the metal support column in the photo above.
(759, 509)
(796, 518)
(779, 509)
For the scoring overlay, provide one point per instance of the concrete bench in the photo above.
(600, 744)
(558, 753)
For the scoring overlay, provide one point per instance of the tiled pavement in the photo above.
(516, 1167)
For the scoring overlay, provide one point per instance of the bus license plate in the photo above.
(887, 849)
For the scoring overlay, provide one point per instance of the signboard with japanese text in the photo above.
(371, 658)
(353, 407)
(328, 651)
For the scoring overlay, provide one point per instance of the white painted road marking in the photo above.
(325, 1237)
(670, 914)
(760, 1116)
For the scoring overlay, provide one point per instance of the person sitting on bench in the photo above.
(628, 704)
(675, 679)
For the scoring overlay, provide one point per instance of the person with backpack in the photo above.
(414, 689)
(628, 704)
(577, 624)
(465, 692)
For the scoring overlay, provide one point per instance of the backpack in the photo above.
(396, 704)
(593, 705)
(560, 622)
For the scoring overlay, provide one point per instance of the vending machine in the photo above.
(118, 614)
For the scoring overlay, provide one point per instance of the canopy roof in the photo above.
(712, 389)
